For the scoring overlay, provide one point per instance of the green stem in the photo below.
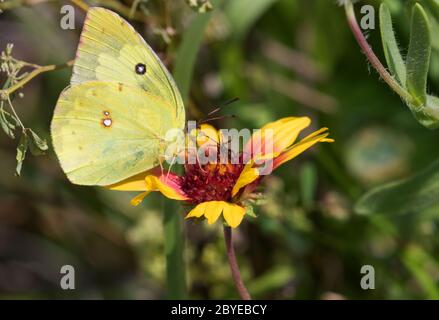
(371, 56)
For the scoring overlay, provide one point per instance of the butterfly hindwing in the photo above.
(104, 132)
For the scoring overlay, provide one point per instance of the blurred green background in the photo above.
(281, 58)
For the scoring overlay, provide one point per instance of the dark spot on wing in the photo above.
(140, 68)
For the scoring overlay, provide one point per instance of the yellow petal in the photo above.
(247, 176)
(233, 214)
(134, 183)
(198, 211)
(167, 187)
(306, 143)
(207, 135)
(213, 210)
(139, 198)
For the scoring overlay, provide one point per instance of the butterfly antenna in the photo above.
(221, 106)
(214, 111)
(225, 104)
(217, 118)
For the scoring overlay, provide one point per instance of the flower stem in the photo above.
(371, 56)
(234, 268)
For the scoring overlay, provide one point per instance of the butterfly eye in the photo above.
(140, 68)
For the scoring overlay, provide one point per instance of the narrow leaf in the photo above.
(393, 56)
(21, 153)
(37, 146)
(250, 211)
(410, 195)
(6, 125)
(418, 57)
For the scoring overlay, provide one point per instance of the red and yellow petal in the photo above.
(279, 134)
(167, 184)
(211, 210)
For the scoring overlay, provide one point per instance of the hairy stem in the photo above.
(371, 56)
(234, 268)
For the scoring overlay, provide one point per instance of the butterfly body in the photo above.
(112, 122)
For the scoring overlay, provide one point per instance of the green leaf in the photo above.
(393, 56)
(7, 126)
(21, 153)
(418, 57)
(37, 146)
(243, 14)
(409, 195)
(249, 210)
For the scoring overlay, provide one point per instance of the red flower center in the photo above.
(210, 182)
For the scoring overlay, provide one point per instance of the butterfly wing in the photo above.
(104, 132)
(111, 50)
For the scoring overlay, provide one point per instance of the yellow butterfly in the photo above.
(110, 124)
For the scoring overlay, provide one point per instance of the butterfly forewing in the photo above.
(111, 50)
